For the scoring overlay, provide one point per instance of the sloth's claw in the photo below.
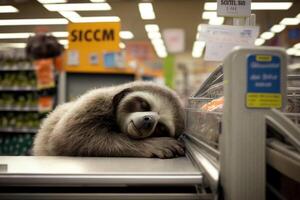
(162, 147)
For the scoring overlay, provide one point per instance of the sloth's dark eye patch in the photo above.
(161, 130)
(137, 104)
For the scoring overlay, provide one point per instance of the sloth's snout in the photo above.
(148, 122)
(142, 124)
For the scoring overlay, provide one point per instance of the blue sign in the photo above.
(263, 74)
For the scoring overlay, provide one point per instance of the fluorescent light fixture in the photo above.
(271, 5)
(77, 6)
(122, 45)
(154, 35)
(209, 15)
(12, 45)
(70, 15)
(14, 35)
(127, 35)
(198, 36)
(256, 6)
(267, 35)
(52, 1)
(49, 21)
(26, 35)
(161, 51)
(198, 48)
(199, 28)
(216, 21)
(97, 19)
(8, 9)
(297, 46)
(151, 28)
(157, 42)
(291, 51)
(60, 34)
(259, 42)
(277, 28)
(146, 11)
(290, 21)
(98, 1)
(63, 42)
(210, 6)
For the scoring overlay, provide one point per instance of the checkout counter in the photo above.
(228, 151)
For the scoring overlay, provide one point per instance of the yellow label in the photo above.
(88, 42)
(263, 58)
(264, 100)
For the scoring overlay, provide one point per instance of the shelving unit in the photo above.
(20, 115)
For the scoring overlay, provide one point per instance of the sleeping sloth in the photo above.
(138, 119)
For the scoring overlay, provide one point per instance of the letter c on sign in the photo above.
(96, 34)
(89, 39)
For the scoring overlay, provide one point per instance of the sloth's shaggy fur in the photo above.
(93, 124)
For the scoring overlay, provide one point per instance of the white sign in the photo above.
(220, 40)
(174, 39)
(73, 58)
(234, 8)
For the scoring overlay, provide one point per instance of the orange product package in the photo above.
(214, 105)
(44, 73)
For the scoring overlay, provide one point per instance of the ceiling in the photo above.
(184, 14)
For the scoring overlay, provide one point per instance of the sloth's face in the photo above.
(143, 114)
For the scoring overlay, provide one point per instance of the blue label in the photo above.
(263, 74)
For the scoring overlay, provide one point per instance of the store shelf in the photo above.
(16, 69)
(20, 109)
(18, 89)
(18, 130)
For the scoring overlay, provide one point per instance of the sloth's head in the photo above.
(142, 114)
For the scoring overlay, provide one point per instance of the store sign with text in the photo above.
(88, 43)
(234, 8)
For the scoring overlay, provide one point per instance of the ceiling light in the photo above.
(277, 28)
(52, 1)
(297, 46)
(271, 5)
(60, 34)
(256, 6)
(259, 42)
(291, 51)
(216, 21)
(70, 15)
(97, 19)
(26, 35)
(98, 1)
(63, 42)
(199, 28)
(161, 52)
(198, 36)
(208, 15)
(146, 11)
(77, 6)
(122, 45)
(49, 21)
(157, 42)
(198, 48)
(127, 35)
(151, 28)
(154, 35)
(267, 35)
(297, 53)
(290, 21)
(8, 9)
(210, 6)
(13, 45)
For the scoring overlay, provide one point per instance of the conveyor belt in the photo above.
(74, 171)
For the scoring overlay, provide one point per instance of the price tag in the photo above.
(234, 8)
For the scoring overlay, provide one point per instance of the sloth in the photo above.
(137, 119)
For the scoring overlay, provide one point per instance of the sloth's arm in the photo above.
(117, 144)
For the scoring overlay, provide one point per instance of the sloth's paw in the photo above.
(162, 147)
